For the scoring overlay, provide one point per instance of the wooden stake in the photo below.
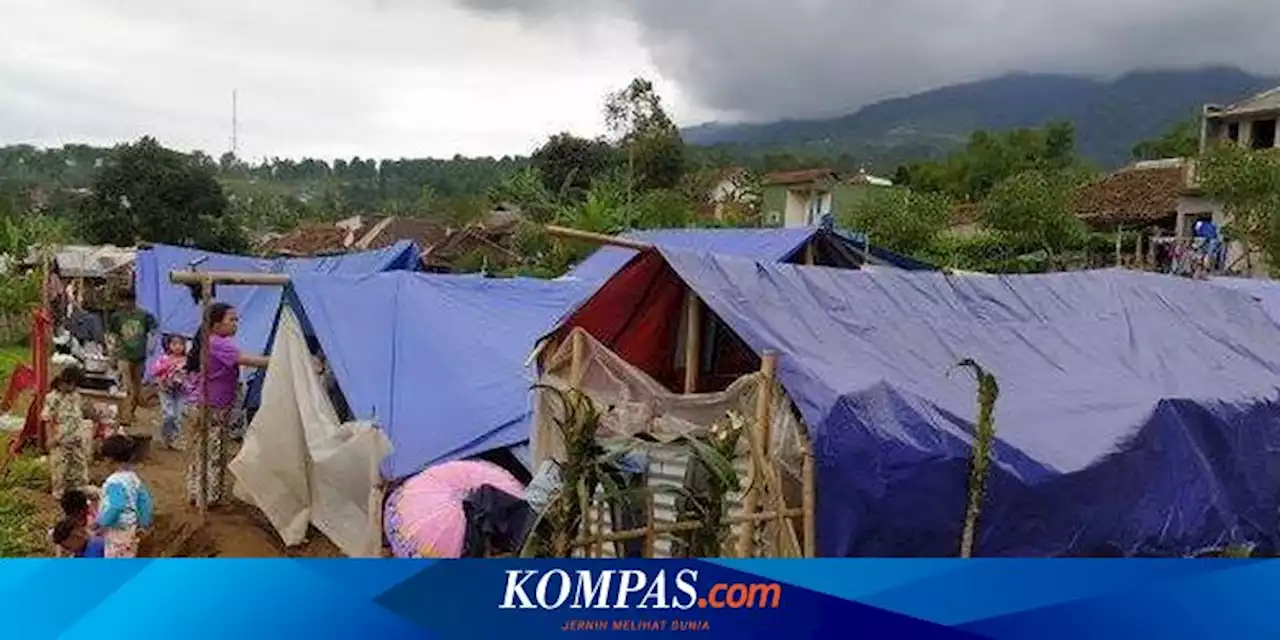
(759, 440)
(692, 341)
(202, 446)
(808, 254)
(1119, 249)
(808, 500)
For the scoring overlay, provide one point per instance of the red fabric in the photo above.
(23, 379)
(637, 315)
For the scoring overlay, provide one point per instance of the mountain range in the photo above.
(1110, 116)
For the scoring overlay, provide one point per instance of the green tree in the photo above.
(1247, 183)
(651, 142)
(898, 219)
(567, 164)
(149, 193)
(988, 158)
(1180, 141)
(1031, 208)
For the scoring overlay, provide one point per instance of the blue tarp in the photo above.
(1138, 413)
(757, 244)
(176, 311)
(437, 360)
(1266, 292)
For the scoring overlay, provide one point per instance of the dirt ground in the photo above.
(236, 531)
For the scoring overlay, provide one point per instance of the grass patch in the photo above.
(21, 533)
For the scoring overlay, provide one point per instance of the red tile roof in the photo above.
(805, 176)
(1132, 195)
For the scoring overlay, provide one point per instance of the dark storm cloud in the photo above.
(767, 59)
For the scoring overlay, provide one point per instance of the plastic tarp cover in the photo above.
(437, 361)
(1137, 412)
(757, 244)
(176, 311)
(1266, 292)
(300, 465)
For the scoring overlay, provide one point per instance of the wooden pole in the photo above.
(692, 341)
(650, 533)
(759, 440)
(808, 501)
(577, 366)
(808, 254)
(202, 446)
(228, 277)
(599, 238)
(1119, 248)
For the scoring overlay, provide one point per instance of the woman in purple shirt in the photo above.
(222, 382)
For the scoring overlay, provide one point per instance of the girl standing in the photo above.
(70, 434)
(170, 375)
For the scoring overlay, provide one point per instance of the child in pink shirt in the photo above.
(170, 376)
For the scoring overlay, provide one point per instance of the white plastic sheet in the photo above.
(301, 466)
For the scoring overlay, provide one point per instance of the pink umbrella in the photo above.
(424, 517)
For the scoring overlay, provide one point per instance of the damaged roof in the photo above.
(1133, 194)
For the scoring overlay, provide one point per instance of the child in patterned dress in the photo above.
(127, 508)
(70, 434)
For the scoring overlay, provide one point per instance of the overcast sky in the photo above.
(391, 78)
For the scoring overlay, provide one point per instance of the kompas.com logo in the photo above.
(631, 589)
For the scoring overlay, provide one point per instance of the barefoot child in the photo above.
(126, 502)
(70, 434)
(170, 374)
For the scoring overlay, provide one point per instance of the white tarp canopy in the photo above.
(300, 465)
(88, 261)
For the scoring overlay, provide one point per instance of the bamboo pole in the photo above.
(577, 366)
(692, 341)
(759, 440)
(599, 238)
(229, 277)
(650, 534)
(808, 501)
(202, 446)
(683, 526)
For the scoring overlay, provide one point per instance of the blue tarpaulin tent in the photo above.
(771, 245)
(1137, 412)
(438, 361)
(1266, 292)
(177, 312)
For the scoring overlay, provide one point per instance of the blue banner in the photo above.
(377, 600)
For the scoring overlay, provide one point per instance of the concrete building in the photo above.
(1251, 122)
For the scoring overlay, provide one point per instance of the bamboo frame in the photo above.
(600, 238)
(207, 280)
(202, 444)
(760, 443)
(229, 277)
(653, 529)
(808, 503)
(692, 341)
